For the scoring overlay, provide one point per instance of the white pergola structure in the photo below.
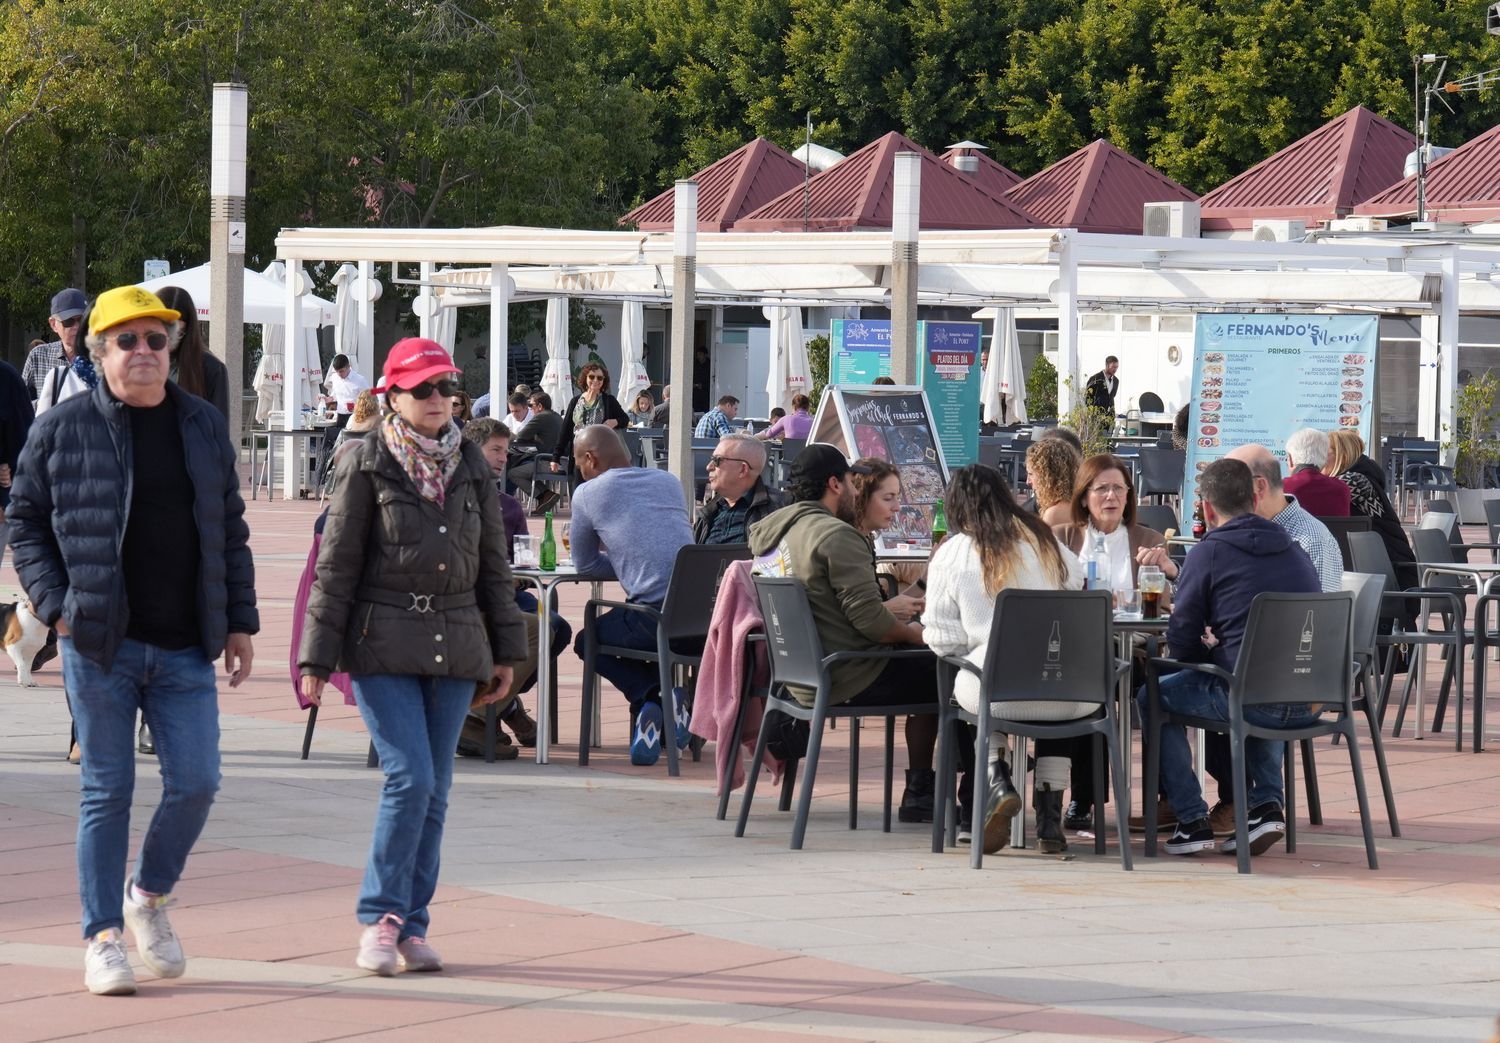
(1062, 269)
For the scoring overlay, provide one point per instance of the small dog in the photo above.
(23, 636)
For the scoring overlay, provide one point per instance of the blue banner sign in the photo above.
(1258, 378)
(860, 351)
(951, 378)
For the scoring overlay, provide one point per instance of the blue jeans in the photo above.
(414, 723)
(626, 629)
(1199, 695)
(177, 694)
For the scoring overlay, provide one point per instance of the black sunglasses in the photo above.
(423, 391)
(70, 323)
(129, 341)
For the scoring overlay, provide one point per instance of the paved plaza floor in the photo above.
(608, 902)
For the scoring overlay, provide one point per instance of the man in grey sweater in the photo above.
(628, 525)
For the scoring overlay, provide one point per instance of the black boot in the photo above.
(965, 809)
(1047, 803)
(916, 799)
(999, 809)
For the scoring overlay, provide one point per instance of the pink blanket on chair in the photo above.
(716, 701)
(299, 612)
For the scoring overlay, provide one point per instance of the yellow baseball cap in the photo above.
(124, 303)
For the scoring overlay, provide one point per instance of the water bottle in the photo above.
(1099, 565)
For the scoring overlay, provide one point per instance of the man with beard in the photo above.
(814, 540)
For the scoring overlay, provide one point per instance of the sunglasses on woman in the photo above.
(423, 391)
(129, 341)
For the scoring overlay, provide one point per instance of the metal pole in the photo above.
(226, 288)
(905, 220)
(680, 365)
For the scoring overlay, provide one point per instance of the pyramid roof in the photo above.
(728, 189)
(992, 174)
(1099, 188)
(1462, 186)
(858, 191)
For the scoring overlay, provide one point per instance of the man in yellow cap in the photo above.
(148, 581)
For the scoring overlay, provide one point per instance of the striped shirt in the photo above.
(1313, 536)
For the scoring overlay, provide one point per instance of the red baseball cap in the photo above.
(414, 360)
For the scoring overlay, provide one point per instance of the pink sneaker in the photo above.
(377, 946)
(417, 955)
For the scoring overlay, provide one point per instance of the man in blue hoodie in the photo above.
(1243, 555)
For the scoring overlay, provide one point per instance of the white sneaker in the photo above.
(377, 946)
(154, 938)
(106, 970)
(417, 955)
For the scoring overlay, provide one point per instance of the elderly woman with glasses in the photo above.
(592, 405)
(1104, 517)
(415, 601)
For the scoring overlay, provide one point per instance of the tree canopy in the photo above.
(567, 112)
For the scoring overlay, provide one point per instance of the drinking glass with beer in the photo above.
(1153, 582)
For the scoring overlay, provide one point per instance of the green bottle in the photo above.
(549, 547)
(939, 524)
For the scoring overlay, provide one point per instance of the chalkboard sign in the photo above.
(892, 424)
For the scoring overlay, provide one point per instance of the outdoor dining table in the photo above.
(315, 437)
(546, 583)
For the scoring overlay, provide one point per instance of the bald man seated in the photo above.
(737, 495)
(628, 524)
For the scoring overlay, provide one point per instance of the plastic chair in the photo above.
(543, 475)
(1341, 527)
(797, 658)
(1045, 646)
(1161, 472)
(681, 628)
(1432, 478)
(1297, 649)
(1367, 589)
(1157, 516)
(1151, 403)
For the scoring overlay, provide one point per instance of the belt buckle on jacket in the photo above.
(420, 603)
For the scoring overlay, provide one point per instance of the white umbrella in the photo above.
(788, 374)
(557, 378)
(346, 312)
(445, 327)
(303, 365)
(264, 295)
(990, 400)
(1011, 376)
(633, 376)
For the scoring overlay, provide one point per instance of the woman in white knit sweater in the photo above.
(992, 546)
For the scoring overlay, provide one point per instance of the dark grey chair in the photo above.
(1367, 590)
(1297, 649)
(1157, 516)
(1151, 403)
(1161, 472)
(1045, 646)
(1341, 527)
(681, 629)
(797, 658)
(1433, 548)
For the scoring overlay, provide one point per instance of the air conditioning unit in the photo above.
(1175, 220)
(1279, 231)
(1357, 224)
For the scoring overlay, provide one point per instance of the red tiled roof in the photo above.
(1462, 186)
(1096, 189)
(993, 175)
(1317, 177)
(856, 193)
(728, 189)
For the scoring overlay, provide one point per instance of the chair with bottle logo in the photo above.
(1298, 649)
(1045, 646)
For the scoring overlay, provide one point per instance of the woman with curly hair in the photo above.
(1051, 467)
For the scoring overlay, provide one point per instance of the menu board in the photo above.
(1259, 378)
(860, 351)
(951, 378)
(893, 424)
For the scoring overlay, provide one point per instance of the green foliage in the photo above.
(1093, 425)
(1474, 419)
(817, 366)
(1041, 390)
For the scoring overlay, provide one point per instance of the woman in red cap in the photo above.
(414, 600)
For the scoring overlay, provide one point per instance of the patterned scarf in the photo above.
(85, 371)
(428, 462)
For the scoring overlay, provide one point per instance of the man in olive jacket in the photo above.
(130, 539)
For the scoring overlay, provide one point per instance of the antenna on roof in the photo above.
(807, 174)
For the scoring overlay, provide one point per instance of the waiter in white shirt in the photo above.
(344, 385)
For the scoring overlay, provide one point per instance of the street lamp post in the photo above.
(226, 292)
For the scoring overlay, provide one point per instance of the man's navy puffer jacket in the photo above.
(70, 500)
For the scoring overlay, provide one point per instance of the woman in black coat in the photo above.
(593, 405)
(194, 367)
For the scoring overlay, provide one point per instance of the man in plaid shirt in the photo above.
(67, 310)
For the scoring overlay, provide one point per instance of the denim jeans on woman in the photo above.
(1199, 695)
(414, 723)
(176, 692)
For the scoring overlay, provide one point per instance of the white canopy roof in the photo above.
(265, 300)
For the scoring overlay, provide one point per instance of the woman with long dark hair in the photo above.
(194, 367)
(994, 545)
